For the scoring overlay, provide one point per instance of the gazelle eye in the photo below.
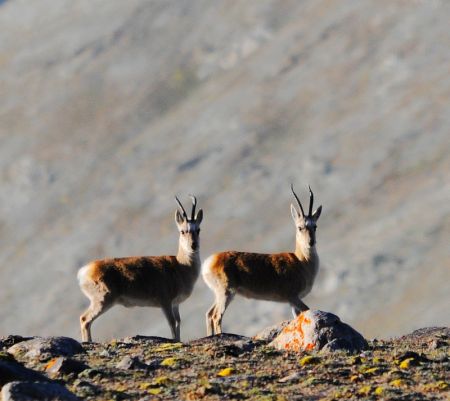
(182, 232)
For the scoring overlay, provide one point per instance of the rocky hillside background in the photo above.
(109, 108)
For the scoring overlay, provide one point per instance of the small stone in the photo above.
(63, 366)
(131, 363)
(28, 391)
(291, 377)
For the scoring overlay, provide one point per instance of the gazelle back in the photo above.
(280, 277)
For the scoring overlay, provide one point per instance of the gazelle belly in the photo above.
(130, 301)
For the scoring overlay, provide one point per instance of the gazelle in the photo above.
(280, 277)
(162, 281)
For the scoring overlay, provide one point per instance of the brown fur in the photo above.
(135, 277)
(279, 275)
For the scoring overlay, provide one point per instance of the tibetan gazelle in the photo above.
(280, 277)
(161, 281)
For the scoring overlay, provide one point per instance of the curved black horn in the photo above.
(298, 200)
(194, 204)
(182, 208)
(311, 201)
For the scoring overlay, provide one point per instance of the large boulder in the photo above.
(46, 348)
(317, 330)
(36, 391)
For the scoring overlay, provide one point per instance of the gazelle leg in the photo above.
(210, 320)
(176, 314)
(168, 313)
(222, 302)
(96, 308)
(298, 306)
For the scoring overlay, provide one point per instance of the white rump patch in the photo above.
(82, 274)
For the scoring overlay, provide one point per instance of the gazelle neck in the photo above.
(188, 257)
(304, 251)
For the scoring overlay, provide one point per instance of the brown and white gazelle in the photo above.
(280, 277)
(162, 281)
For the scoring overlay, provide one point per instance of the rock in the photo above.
(63, 365)
(317, 330)
(45, 348)
(131, 363)
(239, 347)
(11, 370)
(36, 391)
(9, 341)
(150, 340)
(219, 339)
(269, 333)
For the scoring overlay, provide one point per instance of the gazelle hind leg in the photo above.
(222, 302)
(210, 320)
(96, 308)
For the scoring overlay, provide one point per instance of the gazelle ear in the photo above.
(179, 219)
(316, 213)
(295, 214)
(199, 217)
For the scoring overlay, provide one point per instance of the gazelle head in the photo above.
(306, 224)
(189, 228)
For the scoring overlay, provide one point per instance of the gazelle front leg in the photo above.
(176, 314)
(298, 306)
(168, 313)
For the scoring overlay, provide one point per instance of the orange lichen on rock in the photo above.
(296, 336)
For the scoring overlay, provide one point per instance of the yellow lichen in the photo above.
(155, 391)
(398, 383)
(169, 347)
(365, 390)
(162, 381)
(407, 363)
(309, 360)
(379, 390)
(372, 371)
(226, 372)
(169, 362)
(437, 386)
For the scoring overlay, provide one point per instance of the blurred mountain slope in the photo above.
(109, 108)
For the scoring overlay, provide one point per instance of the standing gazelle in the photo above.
(280, 277)
(162, 281)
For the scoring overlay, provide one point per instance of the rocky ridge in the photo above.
(230, 367)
